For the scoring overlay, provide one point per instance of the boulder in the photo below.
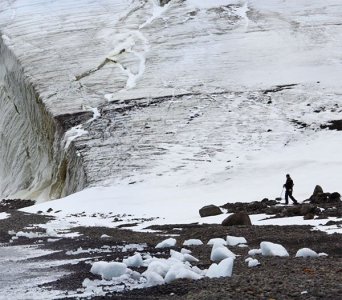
(292, 211)
(318, 190)
(210, 210)
(335, 197)
(307, 208)
(240, 218)
(320, 198)
(273, 210)
(256, 206)
(309, 216)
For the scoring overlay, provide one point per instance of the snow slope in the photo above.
(220, 131)
(184, 88)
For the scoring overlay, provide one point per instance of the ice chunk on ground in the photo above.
(30, 235)
(103, 236)
(185, 251)
(253, 263)
(306, 252)
(217, 241)
(171, 242)
(153, 279)
(176, 255)
(51, 232)
(254, 252)
(108, 270)
(198, 270)
(322, 254)
(235, 240)
(223, 269)
(220, 253)
(158, 266)
(134, 261)
(193, 242)
(272, 249)
(190, 258)
(187, 274)
(178, 271)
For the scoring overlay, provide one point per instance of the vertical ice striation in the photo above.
(32, 162)
(27, 131)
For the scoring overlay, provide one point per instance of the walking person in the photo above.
(289, 189)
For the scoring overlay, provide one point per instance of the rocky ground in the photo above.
(275, 278)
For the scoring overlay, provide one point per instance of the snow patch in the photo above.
(4, 215)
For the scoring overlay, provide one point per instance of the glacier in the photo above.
(99, 92)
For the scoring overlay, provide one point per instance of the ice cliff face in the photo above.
(94, 92)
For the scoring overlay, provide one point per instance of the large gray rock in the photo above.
(210, 210)
(239, 218)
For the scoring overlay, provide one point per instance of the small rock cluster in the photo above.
(320, 205)
(10, 204)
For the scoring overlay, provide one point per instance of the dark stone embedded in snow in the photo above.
(164, 2)
(252, 207)
(240, 218)
(333, 125)
(210, 210)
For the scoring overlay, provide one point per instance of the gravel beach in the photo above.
(275, 278)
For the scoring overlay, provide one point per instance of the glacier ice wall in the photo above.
(32, 162)
(98, 91)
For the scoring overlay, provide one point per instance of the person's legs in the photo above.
(292, 198)
(286, 197)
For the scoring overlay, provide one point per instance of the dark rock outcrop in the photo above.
(240, 218)
(320, 206)
(323, 198)
(12, 204)
(210, 210)
(318, 190)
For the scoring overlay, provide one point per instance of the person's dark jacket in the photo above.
(288, 184)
